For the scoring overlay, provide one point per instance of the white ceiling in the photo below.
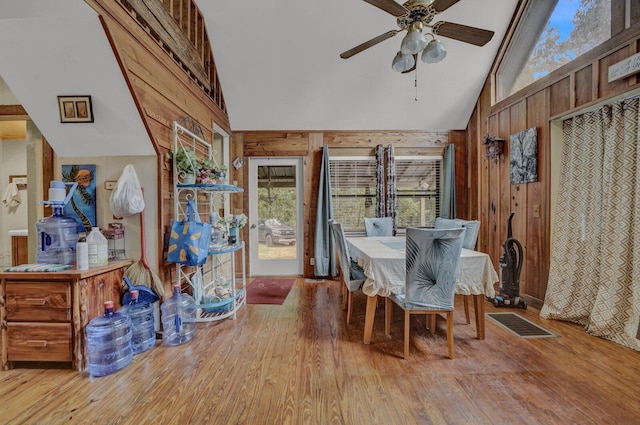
(278, 62)
(58, 47)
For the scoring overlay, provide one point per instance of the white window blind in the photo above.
(418, 188)
(353, 190)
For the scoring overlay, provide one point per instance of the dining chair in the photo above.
(432, 262)
(351, 274)
(380, 226)
(470, 239)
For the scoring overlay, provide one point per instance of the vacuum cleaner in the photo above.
(510, 268)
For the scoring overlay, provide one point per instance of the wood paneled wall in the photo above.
(308, 145)
(163, 93)
(574, 87)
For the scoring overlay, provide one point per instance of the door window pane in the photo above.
(277, 212)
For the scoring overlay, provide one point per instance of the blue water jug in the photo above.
(178, 318)
(143, 335)
(108, 340)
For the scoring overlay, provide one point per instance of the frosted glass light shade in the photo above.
(434, 52)
(402, 62)
(413, 42)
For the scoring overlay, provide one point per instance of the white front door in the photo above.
(276, 232)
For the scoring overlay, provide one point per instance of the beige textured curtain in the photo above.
(594, 278)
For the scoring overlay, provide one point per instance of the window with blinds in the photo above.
(418, 184)
(353, 190)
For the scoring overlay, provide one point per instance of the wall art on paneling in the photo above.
(523, 156)
(82, 205)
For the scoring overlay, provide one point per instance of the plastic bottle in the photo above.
(98, 248)
(178, 318)
(82, 254)
(108, 342)
(142, 323)
(57, 237)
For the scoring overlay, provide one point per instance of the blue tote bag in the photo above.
(189, 242)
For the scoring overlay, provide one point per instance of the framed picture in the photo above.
(75, 109)
(20, 181)
(82, 205)
(523, 149)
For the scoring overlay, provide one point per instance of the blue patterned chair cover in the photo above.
(382, 226)
(472, 229)
(433, 256)
(351, 273)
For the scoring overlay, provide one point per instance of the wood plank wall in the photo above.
(578, 85)
(163, 93)
(308, 145)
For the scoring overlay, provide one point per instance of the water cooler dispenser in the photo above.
(57, 234)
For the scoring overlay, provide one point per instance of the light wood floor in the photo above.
(300, 363)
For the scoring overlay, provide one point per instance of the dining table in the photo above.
(383, 259)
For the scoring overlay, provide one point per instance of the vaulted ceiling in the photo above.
(278, 62)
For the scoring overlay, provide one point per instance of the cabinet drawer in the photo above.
(48, 342)
(37, 301)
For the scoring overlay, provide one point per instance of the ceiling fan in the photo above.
(413, 16)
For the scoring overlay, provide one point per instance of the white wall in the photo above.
(13, 154)
(109, 169)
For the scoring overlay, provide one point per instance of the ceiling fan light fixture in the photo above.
(414, 41)
(434, 52)
(402, 62)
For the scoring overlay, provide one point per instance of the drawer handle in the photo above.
(36, 343)
(36, 301)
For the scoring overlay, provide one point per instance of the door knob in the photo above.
(253, 226)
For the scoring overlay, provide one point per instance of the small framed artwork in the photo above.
(75, 109)
(20, 181)
(523, 149)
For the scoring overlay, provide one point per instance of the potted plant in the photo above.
(209, 172)
(186, 164)
(237, 221)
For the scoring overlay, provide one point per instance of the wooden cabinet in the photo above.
(19, 250)
(43, 315)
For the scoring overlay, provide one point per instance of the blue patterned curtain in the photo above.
(380, 195)
(448, 207)
(325, 260)
(392, 204)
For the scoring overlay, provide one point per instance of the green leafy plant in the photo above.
(185, 160)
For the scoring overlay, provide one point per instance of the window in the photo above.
(418, 190)
(353, 190)
(550, 34)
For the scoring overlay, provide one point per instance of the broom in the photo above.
(139, 272)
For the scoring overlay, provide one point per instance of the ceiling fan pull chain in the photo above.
(416, 84)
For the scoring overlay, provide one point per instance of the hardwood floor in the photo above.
(300, 363)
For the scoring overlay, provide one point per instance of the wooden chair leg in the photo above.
(432, 322)
(345, 294)
(349, 305)
(407, 327)
(450, 333)
(388, 315)
(466, 307)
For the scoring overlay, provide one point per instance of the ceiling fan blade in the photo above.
(442, 5)
(364, 46)
(389, 6)
(471, 35)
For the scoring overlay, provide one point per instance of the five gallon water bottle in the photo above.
(57, 235)
(109, 342)
(142, 323)
(178, 318)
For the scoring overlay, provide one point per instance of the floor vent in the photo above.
(520, 326)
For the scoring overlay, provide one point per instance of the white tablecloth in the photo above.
(384, 263)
